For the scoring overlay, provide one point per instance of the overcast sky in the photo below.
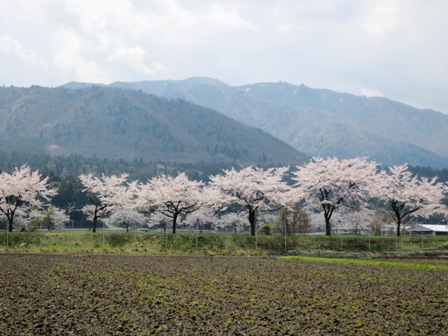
(392, 48)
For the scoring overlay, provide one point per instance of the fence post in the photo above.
(256, 234)
(197, 231)
(226, 246)
(102, 231)
(285, 237)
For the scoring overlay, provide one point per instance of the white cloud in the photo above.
(135, 59)
(10, 46)
(393, 47)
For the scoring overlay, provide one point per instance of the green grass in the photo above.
(188, 243)
(411, 264)
(132, 243)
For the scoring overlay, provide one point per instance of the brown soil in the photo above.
(123, 295)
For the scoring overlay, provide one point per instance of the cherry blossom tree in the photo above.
(58, 218)
(409, 195)
(235, 220)
(332, 184)
(107, 194)
(253, 188)
(53, 218)
(354, 221)
(127, 218)
(200, 218)
(172, 196)
(156, 218)
(22, 191)
(292, 221)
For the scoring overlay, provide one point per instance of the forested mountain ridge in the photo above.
(320, 122)
(125, 124)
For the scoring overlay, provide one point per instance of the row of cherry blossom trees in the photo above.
(327, 186)
(344, 186)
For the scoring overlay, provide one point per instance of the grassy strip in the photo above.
(132, 243)
(368, 262)
(221, 244)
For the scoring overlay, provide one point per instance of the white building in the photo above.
(429, 229)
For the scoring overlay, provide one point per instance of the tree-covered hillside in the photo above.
(131, 125)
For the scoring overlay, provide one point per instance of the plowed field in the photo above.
(124, 295)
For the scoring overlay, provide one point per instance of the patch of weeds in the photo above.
(370, 262)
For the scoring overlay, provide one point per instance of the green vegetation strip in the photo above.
(368, 262)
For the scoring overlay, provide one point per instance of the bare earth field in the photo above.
(132, 295)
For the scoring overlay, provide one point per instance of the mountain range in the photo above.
(107, 122)
(205, 120)
(318, 122)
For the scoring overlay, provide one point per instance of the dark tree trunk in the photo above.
(174, 222)
(10, 214)
(328, 212)
(327, 226)
(398, 208)
(94, 221)
(252, 221)
(99, 212)
(10, 223)
(328, 209)
(398, 226)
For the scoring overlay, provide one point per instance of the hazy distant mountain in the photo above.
(117, 123)
(320, 122)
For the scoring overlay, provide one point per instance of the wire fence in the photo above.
(142, 242)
